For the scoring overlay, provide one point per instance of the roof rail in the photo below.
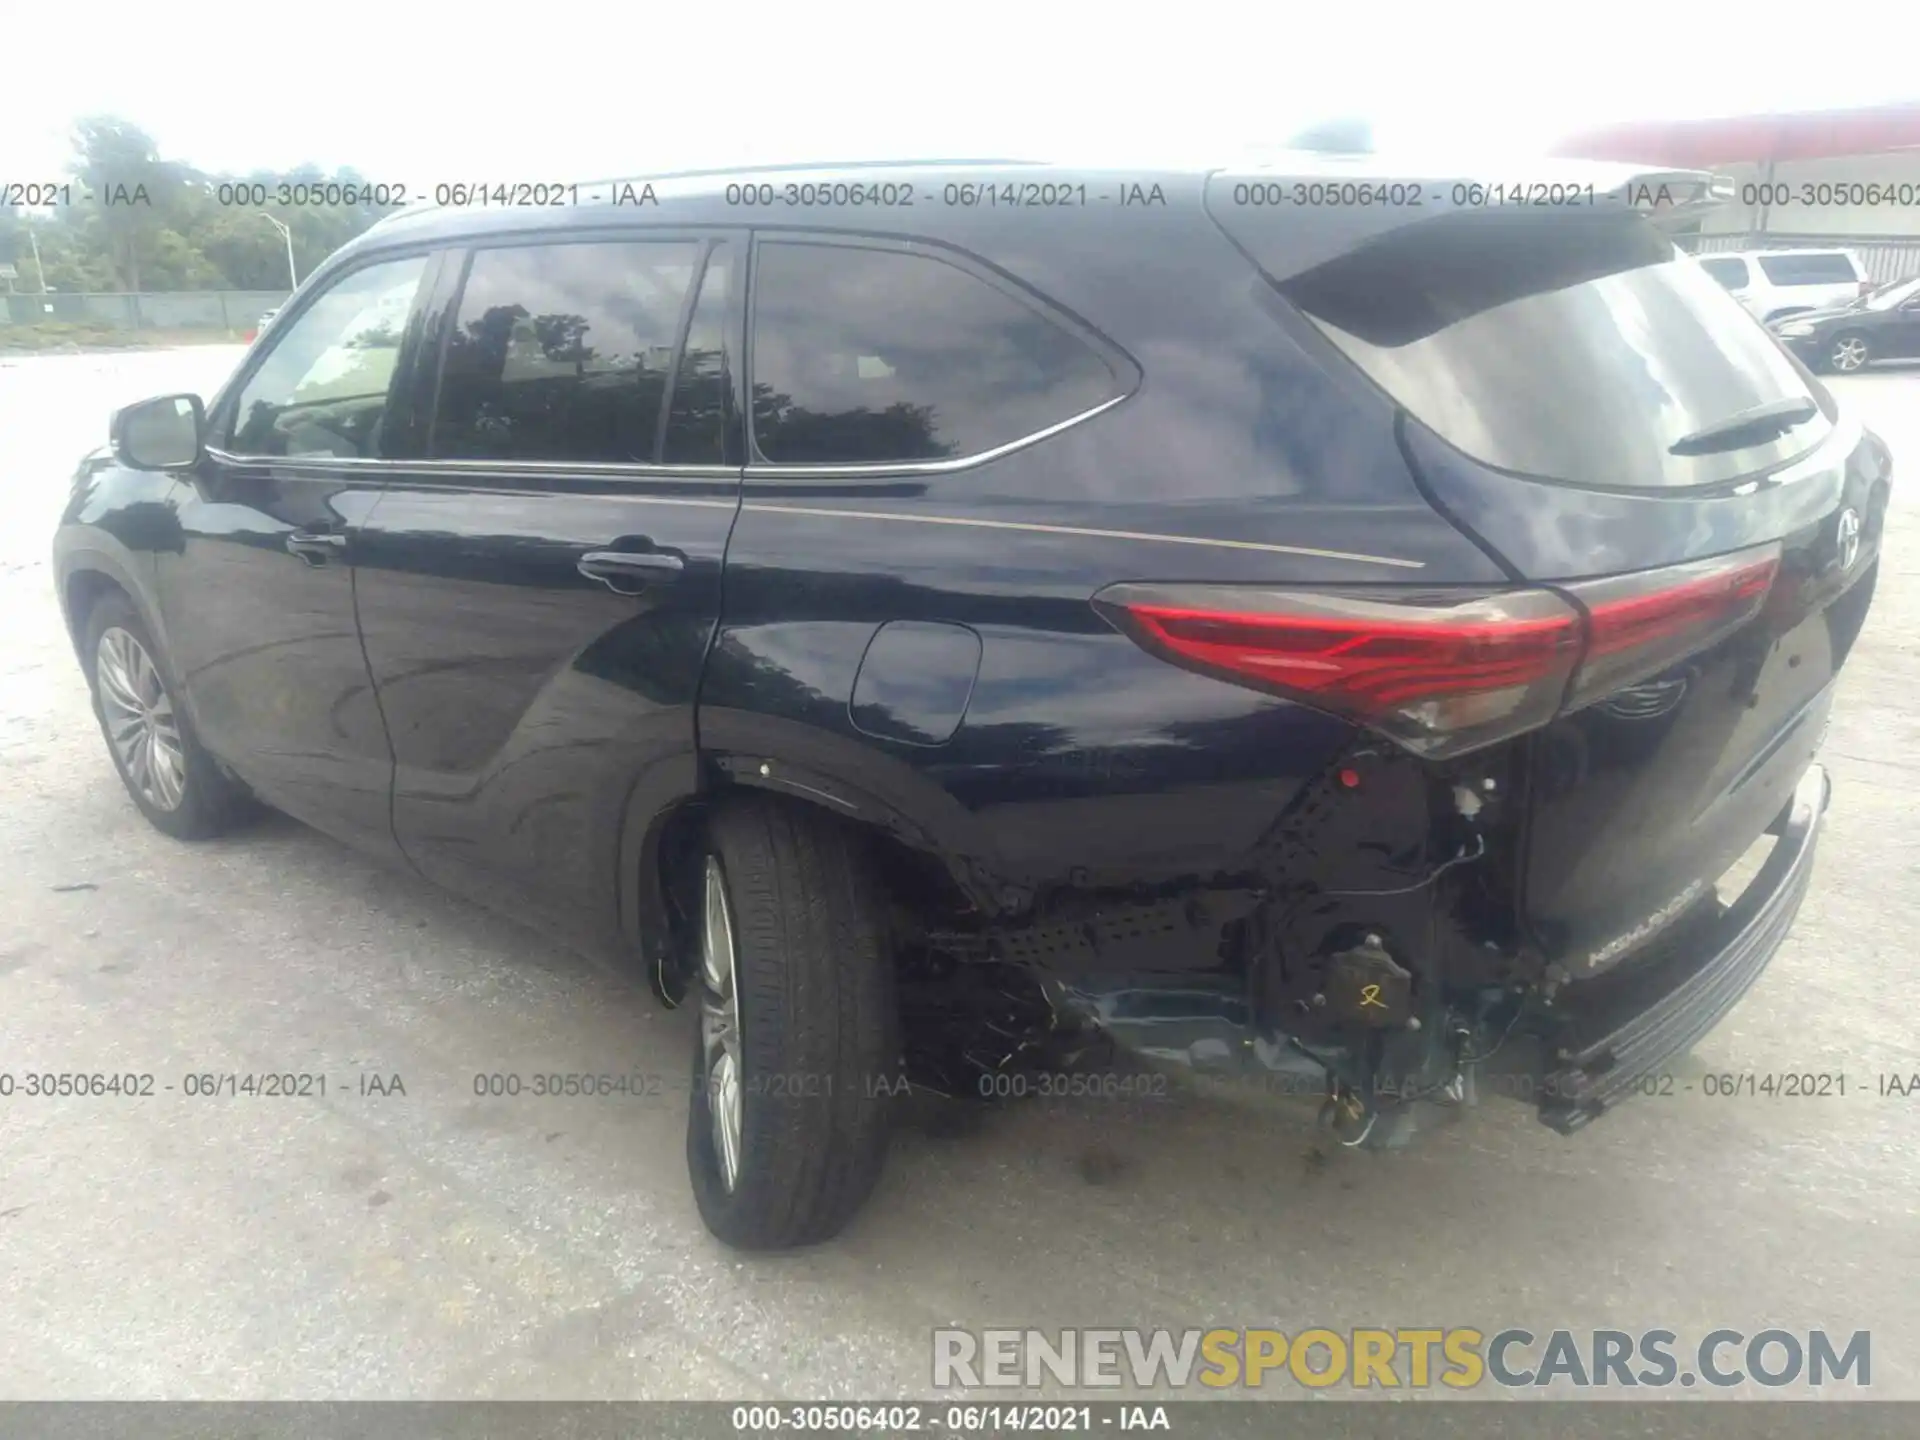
(425, 202)
(774, 168)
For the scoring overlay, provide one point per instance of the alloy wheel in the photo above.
(140, 719)
(720, 1024)
(1849, 353)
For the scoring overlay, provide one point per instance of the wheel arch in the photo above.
(665, 805)
(86, 575)
(83, 590)
(923, 857)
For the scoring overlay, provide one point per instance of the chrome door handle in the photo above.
(628, 572)
(316, 547)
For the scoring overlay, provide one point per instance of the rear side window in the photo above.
(562, 352)
(1731, 273)
(867, 355)
(1807, 269)
(1578, 348)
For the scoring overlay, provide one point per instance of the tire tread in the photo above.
(816, 985)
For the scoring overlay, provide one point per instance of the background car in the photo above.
(1772, 283)
(261, 325)
(1883, 325)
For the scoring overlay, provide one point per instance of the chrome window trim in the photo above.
(299, 462)
(775, 470)
(638, 469)
(755, 470)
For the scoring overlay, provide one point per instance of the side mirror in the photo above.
(167, 433)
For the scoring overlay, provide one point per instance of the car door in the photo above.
(1904, 328)
(257, 594)
(538, 591)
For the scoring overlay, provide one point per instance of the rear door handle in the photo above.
(628, 572)
(316, 547)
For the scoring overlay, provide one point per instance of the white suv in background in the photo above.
(1772, 283)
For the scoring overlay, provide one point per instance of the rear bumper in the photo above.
(1606, 1054)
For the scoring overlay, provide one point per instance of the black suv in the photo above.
(947, 621)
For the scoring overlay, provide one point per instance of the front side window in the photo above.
(562, 352)
(868, 355)
(322, 390)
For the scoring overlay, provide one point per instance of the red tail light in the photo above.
(1445, 672)
(1638, 625)
(1439, 672)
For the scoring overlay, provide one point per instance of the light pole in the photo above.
(38, 268)
(286, 234)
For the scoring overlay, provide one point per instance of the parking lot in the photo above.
(434, 1243)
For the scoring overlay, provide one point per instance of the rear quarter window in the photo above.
(870, 355)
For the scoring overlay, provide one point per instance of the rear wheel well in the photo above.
(921, 894)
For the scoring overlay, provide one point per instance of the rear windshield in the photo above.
(1578, 348)
(1807, 269)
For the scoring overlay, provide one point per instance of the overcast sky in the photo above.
(555, 89)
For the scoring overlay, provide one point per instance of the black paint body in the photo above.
(915, 650)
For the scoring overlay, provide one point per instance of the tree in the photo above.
(138, 221)
(247, 251)
(131, 192)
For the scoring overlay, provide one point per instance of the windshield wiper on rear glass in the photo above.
(1749, 427)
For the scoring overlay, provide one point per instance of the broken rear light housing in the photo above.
(1447, 671)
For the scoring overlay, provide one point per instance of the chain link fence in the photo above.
(235, 312)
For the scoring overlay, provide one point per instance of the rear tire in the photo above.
(787, 1126)
(150, 738)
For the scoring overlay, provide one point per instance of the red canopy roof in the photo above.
(1818, 135)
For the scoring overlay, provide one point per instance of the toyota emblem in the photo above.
(1846, 538)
